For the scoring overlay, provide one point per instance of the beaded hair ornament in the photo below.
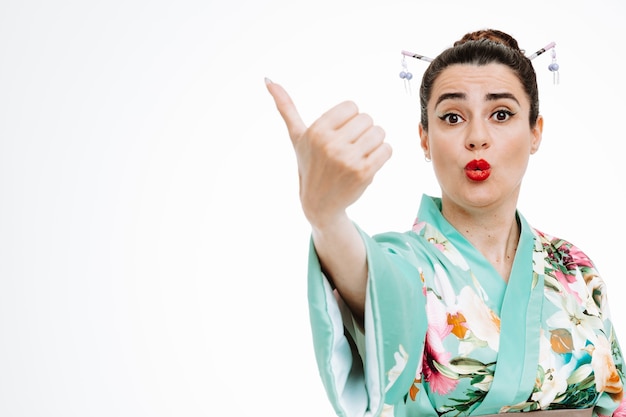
(407, 76)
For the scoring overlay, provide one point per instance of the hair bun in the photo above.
(492, 35)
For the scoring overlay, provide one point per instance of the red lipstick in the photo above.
(478, 170)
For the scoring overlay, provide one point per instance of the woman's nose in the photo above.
(478, 136)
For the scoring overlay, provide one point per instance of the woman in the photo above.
(472, 312)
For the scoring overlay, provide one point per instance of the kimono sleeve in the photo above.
(363, 380)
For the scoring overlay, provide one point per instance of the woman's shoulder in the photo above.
(563, 251)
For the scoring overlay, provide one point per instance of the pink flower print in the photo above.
(438, 382)
(436, 244)
(565, 280)
(434, 351)
(574, 257)
(579, 258)
(418, 225)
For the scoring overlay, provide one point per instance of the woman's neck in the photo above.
(494, 233)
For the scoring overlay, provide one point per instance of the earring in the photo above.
(426, 158)
(406, 75)
(554, 68)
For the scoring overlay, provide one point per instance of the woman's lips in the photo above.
(478, 170)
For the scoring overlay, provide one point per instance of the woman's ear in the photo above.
(424, 141)
(537, 133)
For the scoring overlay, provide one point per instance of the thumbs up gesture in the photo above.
(338, 156)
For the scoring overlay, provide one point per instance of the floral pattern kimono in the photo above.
(446, 336)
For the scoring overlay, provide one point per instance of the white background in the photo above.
(152, 248)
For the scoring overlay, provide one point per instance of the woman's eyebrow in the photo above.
(450, 96)
(498, 96)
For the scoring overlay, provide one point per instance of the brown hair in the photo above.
(483, 47)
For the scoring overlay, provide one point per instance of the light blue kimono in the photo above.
(445, 335)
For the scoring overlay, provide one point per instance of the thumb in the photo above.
(287, 110)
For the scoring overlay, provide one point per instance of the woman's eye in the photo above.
(451, 118)
(502, 115)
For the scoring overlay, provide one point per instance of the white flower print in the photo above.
(435, 237)
(444, 288)
(572, 317)
(554, 384)
(401, 358)
(481, 320)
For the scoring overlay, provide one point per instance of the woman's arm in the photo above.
(338, 156)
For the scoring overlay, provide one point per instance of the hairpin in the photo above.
(405, 74)
(417, 56)
(553, 67)
(542, 50)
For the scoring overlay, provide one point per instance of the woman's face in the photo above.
(479, 138)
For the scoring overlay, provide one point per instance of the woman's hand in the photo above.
(337, 156)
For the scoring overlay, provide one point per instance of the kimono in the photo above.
(444, 335)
